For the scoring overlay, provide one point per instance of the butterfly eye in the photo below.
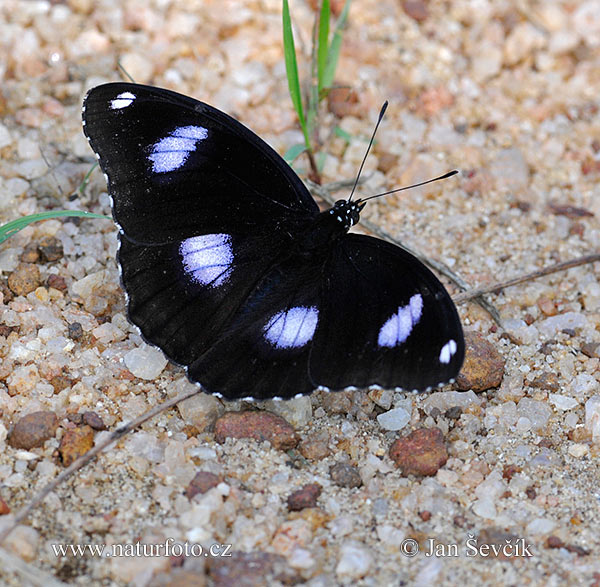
(398, 328)
(292, 328)
(172, 151)
(207, 259)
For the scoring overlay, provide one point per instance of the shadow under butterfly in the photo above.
(230, 268)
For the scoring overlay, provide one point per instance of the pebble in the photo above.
(297, 411)
(583, 384)
(354, 561)
(259, 426)
(578, 450)
(562, 402)
(592, 417)
(201, 483)
(395, 419)
(420, 453)
(382, 397)
(483, 367)
(538, 413)
(50, 249)
(306, 497)
(551, 326)
(4, 509)
(345, 475)
(444, 400)
(23, 541)
(339, 402)
(145, 362)
(199, 411)
(33, 430)
(540, 526)
(74, 443)
(315, 446)
(24, 279)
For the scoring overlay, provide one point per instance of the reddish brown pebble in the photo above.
(344, 102)
(57, 282)
(570, 211)
(50, 249)
(554, 542)
(421, 453)
(547, 381)
(509, 471)
(425, 515)
(339, 402)
(483, 367)
(315, 447)
(387, 162)
(258, 426)
(201, 483)
(416, 9)
(5, 330)
(33, 430)
(60, 382)
(547, 306)
(74, 443)
(4, 509)
(345, 475)
(24, 279)
(94, 421)
(304, 498)
(531, 493)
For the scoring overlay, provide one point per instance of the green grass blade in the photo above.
(323, 41)
(343, 134)
(291, 68)
(12, 227)
(86, 179)
(294, 152)
(334, 49)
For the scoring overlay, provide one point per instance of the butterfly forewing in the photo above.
(177, 167)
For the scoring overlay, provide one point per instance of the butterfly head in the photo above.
(346, 212)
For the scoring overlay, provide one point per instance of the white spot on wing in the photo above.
(292, 328)
(448, 351)
(399, 326)
(207, 258)
(172, 151)
(122, 101)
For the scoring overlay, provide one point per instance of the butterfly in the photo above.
(230, 268)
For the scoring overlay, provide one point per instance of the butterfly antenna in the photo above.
(381, 113)
(415, 185)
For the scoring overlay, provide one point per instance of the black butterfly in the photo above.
(230, 268)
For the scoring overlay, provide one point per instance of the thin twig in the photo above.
(91, 454)
(496, 287)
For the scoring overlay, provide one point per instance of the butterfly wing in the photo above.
(386, 320)
(177, 167)
(364, 313)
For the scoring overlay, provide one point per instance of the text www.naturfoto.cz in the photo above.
(168, 548)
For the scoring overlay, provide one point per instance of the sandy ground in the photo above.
(507, 92)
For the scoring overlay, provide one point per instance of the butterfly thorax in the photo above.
(330, 225)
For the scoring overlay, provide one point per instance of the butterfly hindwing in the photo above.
(390, 318)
